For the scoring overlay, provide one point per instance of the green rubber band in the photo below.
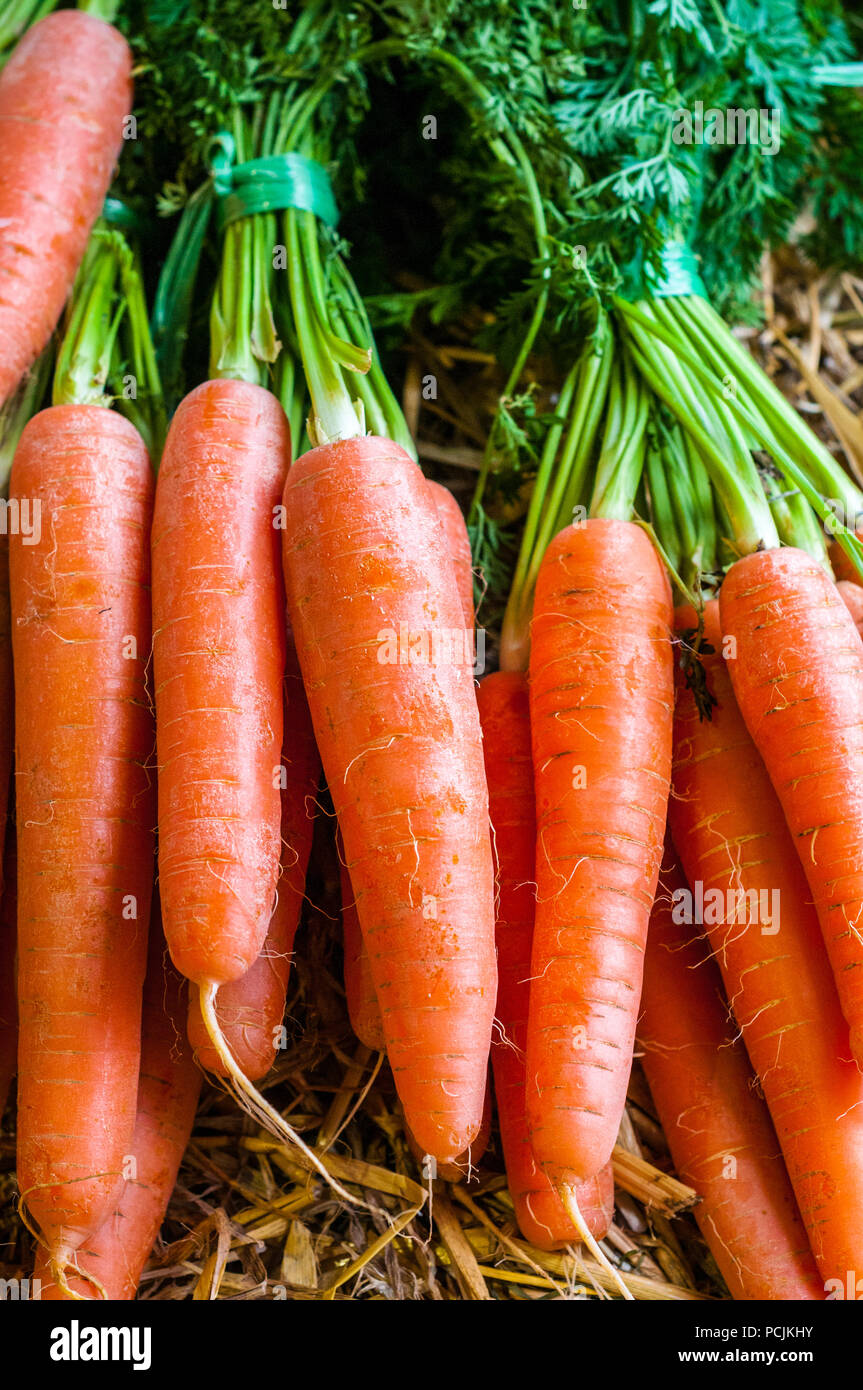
(269, 184)
(679, 273)
(119, 214)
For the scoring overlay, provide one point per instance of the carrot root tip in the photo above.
(570, 1201)
(251, 1100)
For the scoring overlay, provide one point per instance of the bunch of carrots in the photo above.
(203, 623)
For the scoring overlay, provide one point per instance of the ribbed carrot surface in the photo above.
(218, 659)
(731, 835)
(85, 808)
(717, 1126)
(63, 96)
(167, 1099)
(251, 1009)
(601, 691)
(369, 580)
(798, 679)
(505, 718)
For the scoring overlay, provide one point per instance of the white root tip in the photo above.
(570, 1202)
(251, 1099)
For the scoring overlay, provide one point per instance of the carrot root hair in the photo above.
(251, 1100)
(570, 1201)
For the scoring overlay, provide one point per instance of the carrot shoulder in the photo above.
(601, 694)
(370, 591)
(63, 96)
(718, 1128)
(85, 808)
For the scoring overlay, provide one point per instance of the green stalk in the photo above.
(711, 337)
(19, 408)
(17, 17)
(102, 9)
(736, 482)
(106, 356)
(559, 483)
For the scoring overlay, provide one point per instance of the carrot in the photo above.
(218, 657)
(250, 1010)
(363, 1008)
(843, 568)
(730, 833)
(84, 737)
(852, 596)
(458, 545)
(218, 660)
(718, 1128)
(64, 94)
(8, 996)
(798, 679)
(601, 688)
(369, 589)
(168, 1091)
(463, 1168)
(505, 718)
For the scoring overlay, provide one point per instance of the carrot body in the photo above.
(218, 658)
(85, 808)
(842, 566)
(8, 991)
(731, 835)
(601, 693)
(718, 1128)
(363, 1008)
(63, 96)
(505, 717)
(458, 545)
(852, 596)
(367, 576)
(798, 680)
(168, 1091)
(251, 1009)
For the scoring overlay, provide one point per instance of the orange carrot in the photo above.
(601, 692)
(84, 737)
(250, 1010)
(167, 1098)
(458, 545)
(798, 679)
(718, 1128)
(505, 718)
(370, 590)
(8, 994)
(64, 94)
(218, 658)
(731, 836)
